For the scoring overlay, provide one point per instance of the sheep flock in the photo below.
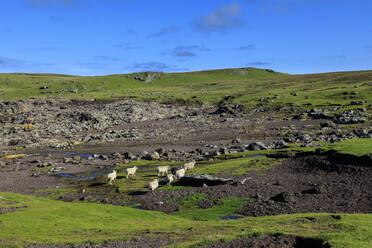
(176, 174)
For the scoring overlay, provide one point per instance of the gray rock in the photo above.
(56, 169)
(318, 114)
(147, 77)
(215, 153)
(327, 124)
(279, 144)
(255, 146)
(357, 102)
(152, 156)
(224, 150)
(349, 117)
(201, 179)
(43, 165)
(284, 197)
(305, 138)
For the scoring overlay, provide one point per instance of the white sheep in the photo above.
(180, 173)
(111, 176)
(162, 170)
(170, 179)
(189, 165)
(131, 171)
(154, 184)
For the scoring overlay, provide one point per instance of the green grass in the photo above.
(322, 90)
(230, 164)
(46, 221)
(44, 168)
(190, 210)
(54, 194)
(239, 166)
(147, 171)
(357, 147)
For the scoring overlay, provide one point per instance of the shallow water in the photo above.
(90, 175)
(231, 217)
(138, 207)
(256, 156)
(83, 155)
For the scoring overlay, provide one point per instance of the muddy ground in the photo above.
(133, 243)
(264, 241)
(271, 241)
(301, 183)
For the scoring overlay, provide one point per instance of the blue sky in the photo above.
(98, 37)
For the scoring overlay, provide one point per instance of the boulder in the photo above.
(255, 146)
(152, 156)
(279, 144)
(148, 76)
(284, 197)
(349, 117)
(200, 179)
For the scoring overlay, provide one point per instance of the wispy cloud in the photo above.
(129, 32)
(155, 66)
(277, 9)
(105, 58)
(258, 63)
(150, 66)
(53, 3)
(3, 62)
(164, 31)
(246, 48)
(44, 49)
(220, 20)
(127, 46)
(8, 62)
(186, 51)
(92, 65)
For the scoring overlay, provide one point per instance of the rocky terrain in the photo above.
(59, 123)
(267, 160)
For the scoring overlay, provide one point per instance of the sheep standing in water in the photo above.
(111, 176)
(189, 166)
(131, 171)
(180, 173)
(163, 170)
(170, 179)
(154, 184)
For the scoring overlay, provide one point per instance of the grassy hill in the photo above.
(44, 221)
(249, 86)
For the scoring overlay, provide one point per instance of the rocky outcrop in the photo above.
(148, 76)
(349, 117)
(201, 180)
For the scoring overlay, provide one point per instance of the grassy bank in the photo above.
(45, 221)
(249, 86)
